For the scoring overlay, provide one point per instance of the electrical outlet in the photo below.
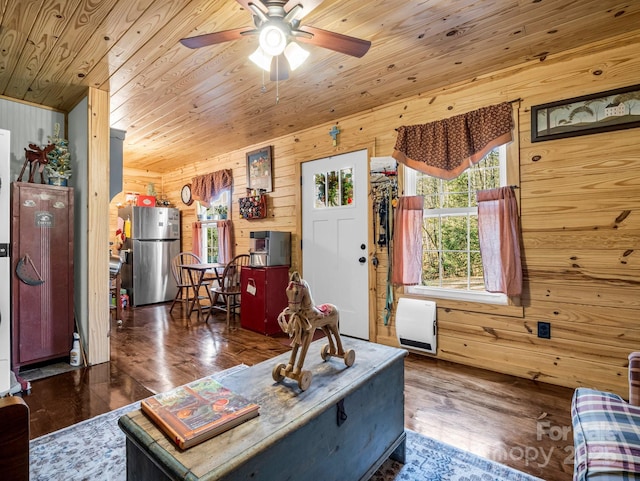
(544, 330)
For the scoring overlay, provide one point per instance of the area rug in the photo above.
(94, 450)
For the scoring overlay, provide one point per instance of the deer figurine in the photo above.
(36, 158)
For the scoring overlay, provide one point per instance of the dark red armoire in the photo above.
(42, 272)
(263, 297)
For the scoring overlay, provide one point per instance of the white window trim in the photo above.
(483, 297)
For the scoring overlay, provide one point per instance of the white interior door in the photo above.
(5, 262)
(335, 237)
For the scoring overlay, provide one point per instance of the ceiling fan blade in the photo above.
(214, 38)
(307, 6)
(258, 3)
(355, 47)
(279, 68)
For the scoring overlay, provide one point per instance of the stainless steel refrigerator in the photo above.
(153, 242)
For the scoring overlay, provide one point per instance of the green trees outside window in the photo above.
(451, 249)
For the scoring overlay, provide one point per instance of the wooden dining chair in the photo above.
(186, 290)
(230, 289)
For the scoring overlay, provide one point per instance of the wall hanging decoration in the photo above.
(259, 170)
(24, 275)
(590, 114)
(185, 194)
(334, 134)
(253, 207)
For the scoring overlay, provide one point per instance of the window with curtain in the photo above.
(212, 232)
(451, 262)
(209, 214)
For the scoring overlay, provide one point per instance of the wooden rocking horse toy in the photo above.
(300, 319)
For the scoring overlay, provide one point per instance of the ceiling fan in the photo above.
(277, 24)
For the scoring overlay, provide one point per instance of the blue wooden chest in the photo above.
(342, 428)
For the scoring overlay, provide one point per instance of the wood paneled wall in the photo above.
(580, 208)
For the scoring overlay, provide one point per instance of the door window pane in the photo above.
(334, 188)
(346, 184)
(321, 191)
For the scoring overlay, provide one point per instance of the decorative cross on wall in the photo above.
(334, 134)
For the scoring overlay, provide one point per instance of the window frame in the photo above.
(509, 158)
(224, 198)
(204, 248)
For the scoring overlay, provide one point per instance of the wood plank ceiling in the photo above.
(176, 103)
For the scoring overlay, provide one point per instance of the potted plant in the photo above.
(59, 166)
(220, 212)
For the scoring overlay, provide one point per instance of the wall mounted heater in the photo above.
(416, 325)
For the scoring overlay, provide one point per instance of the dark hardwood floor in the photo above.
(521, 423)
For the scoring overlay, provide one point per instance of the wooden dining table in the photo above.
(197, 273)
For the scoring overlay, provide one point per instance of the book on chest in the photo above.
(198, 411)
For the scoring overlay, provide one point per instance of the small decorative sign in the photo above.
(44, 219)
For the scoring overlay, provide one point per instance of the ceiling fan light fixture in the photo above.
(295, 55)
(273, 39)
(261, 59)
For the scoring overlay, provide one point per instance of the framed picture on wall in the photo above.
(590, 114)
(259, 170)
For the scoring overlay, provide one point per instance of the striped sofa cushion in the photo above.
(634, 378)
(606, 433)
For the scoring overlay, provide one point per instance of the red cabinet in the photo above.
(42, 277)
(263, 297)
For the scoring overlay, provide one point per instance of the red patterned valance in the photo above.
(446, 148)
(209, 186)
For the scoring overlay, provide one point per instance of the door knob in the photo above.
(362, 260)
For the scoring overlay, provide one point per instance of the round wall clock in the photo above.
(186, 194)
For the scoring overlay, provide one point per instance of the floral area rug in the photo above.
(94, 450)
(431, 460)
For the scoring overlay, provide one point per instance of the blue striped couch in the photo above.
(606, 431)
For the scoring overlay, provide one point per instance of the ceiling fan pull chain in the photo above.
(263, 89)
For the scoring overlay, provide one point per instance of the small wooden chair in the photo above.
(230, 289)
(186, 290)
